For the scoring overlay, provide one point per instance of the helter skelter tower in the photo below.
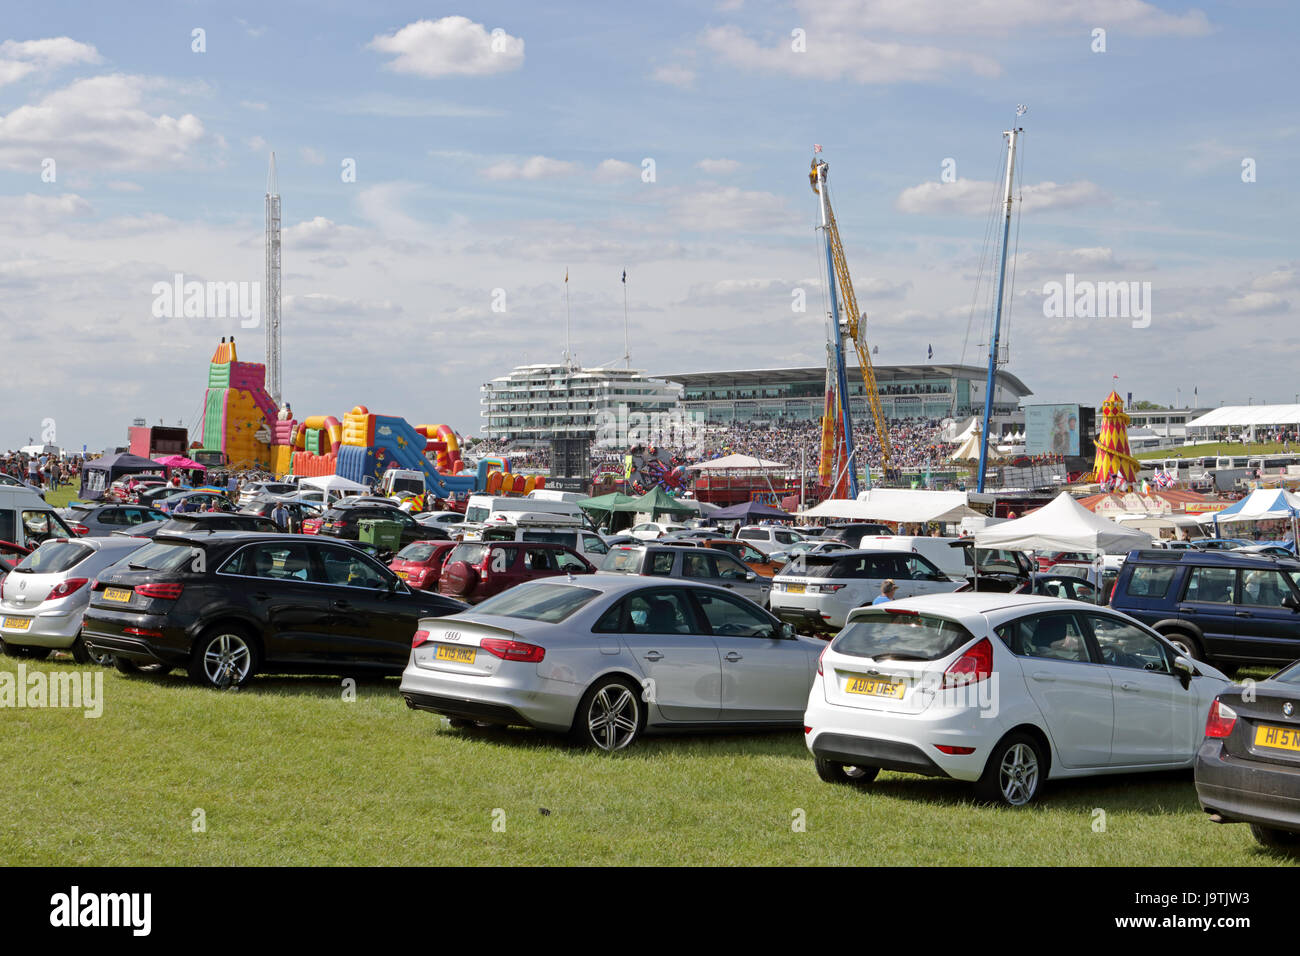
(271, 287)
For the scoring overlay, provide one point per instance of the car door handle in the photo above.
(1244, 614)
(733, 657)
(261, 596)
(654, 656)
(341, 605)
(1043, 676)
(1128, 685)
(1182, 608)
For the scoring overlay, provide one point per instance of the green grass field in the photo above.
(1215, 448)
(287, 772)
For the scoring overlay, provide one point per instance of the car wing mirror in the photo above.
(1184, 669)
(751, 575)
(1292, 602)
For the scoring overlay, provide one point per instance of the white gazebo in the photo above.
(1063, 525)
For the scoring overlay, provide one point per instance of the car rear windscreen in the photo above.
(548, 603)
(416, 552)
(161, 556)
(469, 553)
(54, 557)
(621, 559)
(885, 635)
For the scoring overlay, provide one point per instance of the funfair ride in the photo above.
(837, 470)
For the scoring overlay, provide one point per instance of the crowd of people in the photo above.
(41, 471)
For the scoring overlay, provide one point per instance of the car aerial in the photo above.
(227, 605)
(1003, 691)
(1225, 607)
(474, 571)
(649, 530)
(1248, 767)
(767, 538)
(43, 598)
(343, 520)
(419, 564)
(86, 518)
(817, 591)
(687, 561)
(606, 658)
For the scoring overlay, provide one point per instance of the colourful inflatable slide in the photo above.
(235, 407)
(373, 443)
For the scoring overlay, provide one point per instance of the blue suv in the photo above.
(1218, 606)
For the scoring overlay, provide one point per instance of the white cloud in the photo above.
(970, 197)
(730, 209)
(718, 166)
(452, 46)
(1002, 16)
(11, 71)
(100, 122)
(615, 170)
(674, 74)
(36, 213)
(256, 144)
(1277, 279)
(51, 52)
(251, 30)
(313, 157)
(836, 55)
(535, 167)
(881, 288)
(1257, 303)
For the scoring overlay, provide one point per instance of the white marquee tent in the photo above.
(1063, 525)
(896, 504)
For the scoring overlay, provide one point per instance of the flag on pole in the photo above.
(566, 275)
(817, 147)
(929, 352)
(625, 277)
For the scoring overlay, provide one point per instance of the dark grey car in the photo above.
(706, 565)
(102, 520)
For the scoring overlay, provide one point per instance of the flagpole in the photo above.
(568, 355)
(627, 344)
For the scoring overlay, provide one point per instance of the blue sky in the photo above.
(482, 169)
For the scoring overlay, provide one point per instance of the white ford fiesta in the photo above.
(1003, 690)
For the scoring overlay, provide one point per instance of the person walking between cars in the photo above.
(280, 515)
(887, 589)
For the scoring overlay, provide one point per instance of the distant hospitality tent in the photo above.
(738, 463)
(1063, 525)
(908, 506)
(1263, 504)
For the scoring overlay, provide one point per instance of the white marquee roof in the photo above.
(1243, 416)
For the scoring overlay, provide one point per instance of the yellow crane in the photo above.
(855, 322)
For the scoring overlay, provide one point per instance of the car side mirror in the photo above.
(784, 632)
(1184, 670)
(1292, 602)
(751, 575)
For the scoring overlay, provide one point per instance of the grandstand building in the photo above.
(907, 392)
(536, 403)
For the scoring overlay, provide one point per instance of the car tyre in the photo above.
(832, 771)
(1187, 645)
(1014, 773)
(610, 716)
(1275, 839)
(224, 656)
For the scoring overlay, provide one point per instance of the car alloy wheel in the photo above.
(611, 716)
(1018, 771)
(225, 659)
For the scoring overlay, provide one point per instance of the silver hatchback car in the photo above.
(606, 658)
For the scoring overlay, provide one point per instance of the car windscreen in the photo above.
(161, 556)
(476, 513)
(54, 557)
(416, 552)
(889, 635)
(548, 603)
(622, 559)
(469, 553)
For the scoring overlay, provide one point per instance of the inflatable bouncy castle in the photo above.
(238, 414)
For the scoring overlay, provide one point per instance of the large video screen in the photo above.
(1052, 429)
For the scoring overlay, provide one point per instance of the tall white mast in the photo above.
(271, 287)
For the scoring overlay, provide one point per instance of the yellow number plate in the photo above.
(403, 574)
(458, 655)
(117, 594)
(875, 688)
(1279, 738)
(794, 589)
(18, 623)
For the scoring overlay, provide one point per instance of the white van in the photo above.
(26, 519)
(539, 526)
(554, 494)
(481, 510)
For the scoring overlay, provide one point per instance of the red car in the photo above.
(476, 570)
(1045, 561)
(419, 564)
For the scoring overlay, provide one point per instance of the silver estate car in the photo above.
(608, 657)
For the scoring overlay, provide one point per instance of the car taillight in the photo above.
(513, 650)
(168, 592)
(1221, 720)
(824, 588)
(820, 656)
(975, 665)
(78, 528)
(64, 588)
(956, 751)
(419, 638)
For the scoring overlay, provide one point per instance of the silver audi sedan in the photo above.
(606, 658)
